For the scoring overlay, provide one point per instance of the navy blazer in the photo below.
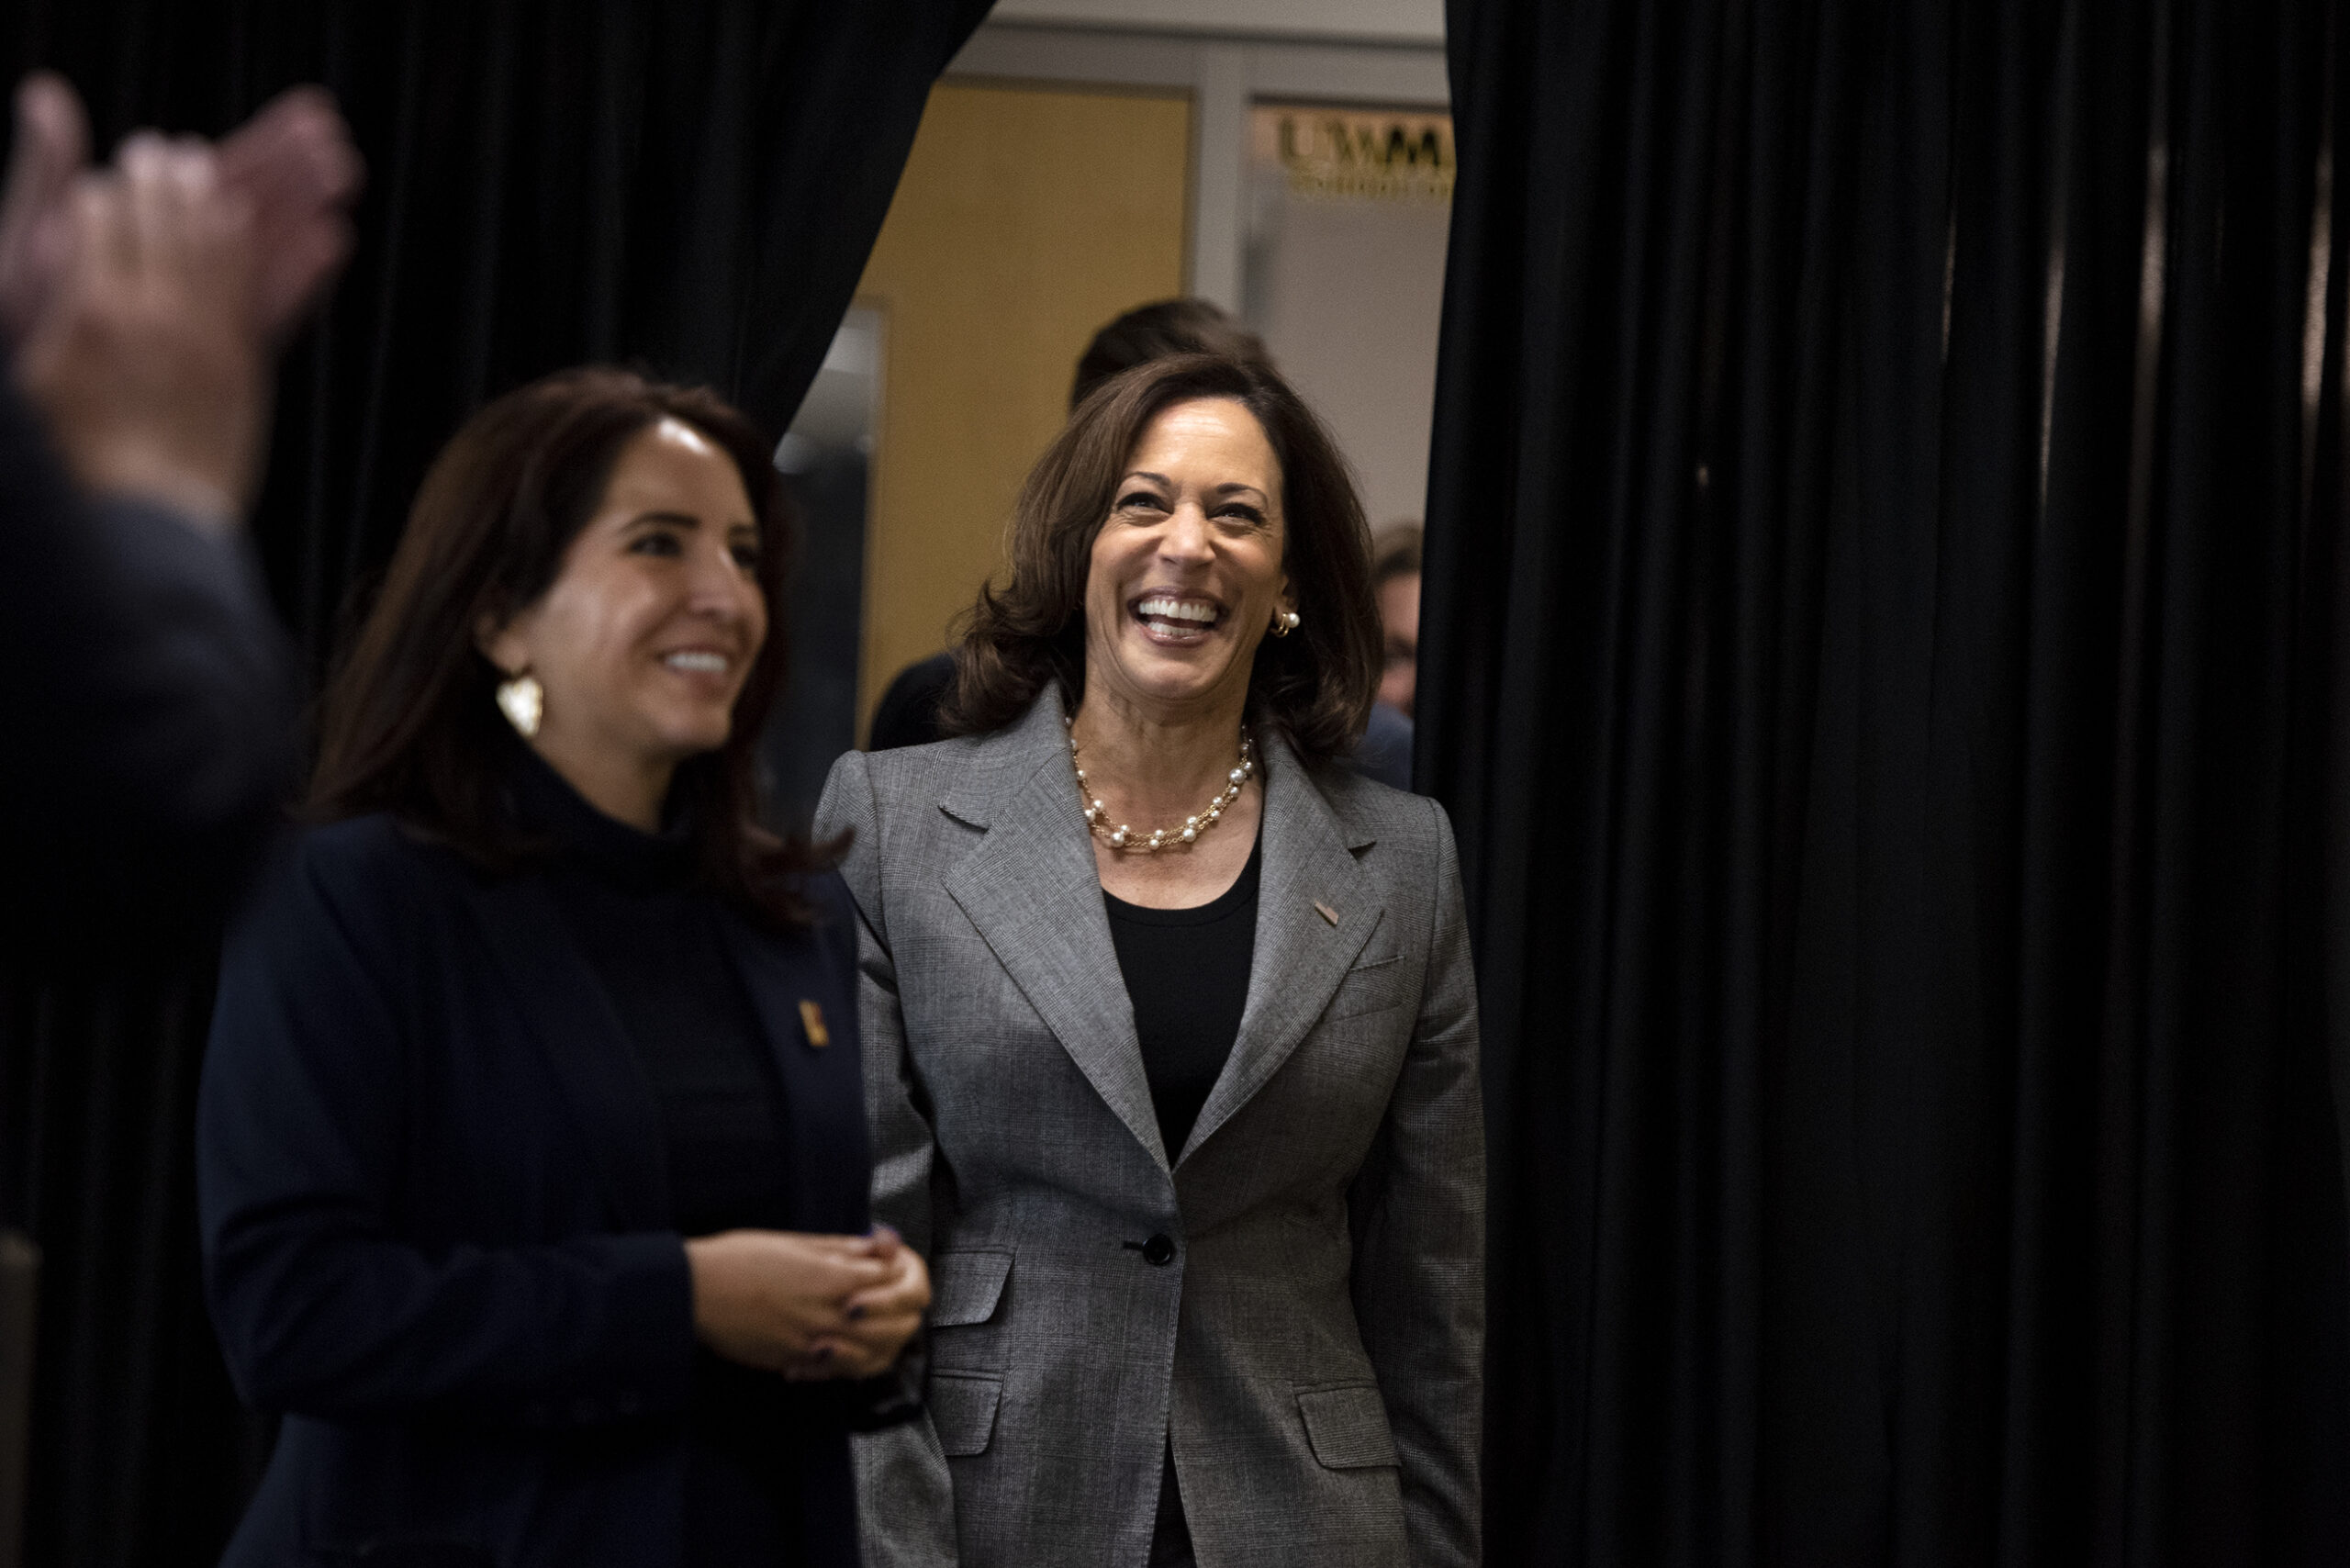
(436, 1215)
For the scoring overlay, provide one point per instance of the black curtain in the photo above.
(1885, 551)
(691, 186)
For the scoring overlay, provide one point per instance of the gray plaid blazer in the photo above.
(1295, 1298)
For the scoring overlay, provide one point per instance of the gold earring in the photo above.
(1284, 623)
(524, 701)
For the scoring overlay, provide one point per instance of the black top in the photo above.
(653, 940)
(1187, 975)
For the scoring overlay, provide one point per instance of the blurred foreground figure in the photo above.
(143, 682)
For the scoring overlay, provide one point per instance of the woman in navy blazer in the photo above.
(533, 1164)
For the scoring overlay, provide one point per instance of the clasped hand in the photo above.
(807, 1307)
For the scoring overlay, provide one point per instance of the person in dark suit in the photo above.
(139, 308)
(531, 1157)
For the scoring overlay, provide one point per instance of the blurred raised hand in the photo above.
(52, 145)
(294, 165)
(145, 301)
(144, 361)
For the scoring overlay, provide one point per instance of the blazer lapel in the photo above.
(823, 1095)
(1032, 892)
(1301, 953)
(585, 1044)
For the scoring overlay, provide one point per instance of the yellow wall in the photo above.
(1026, 218)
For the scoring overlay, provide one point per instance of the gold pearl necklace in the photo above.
(1097, 814)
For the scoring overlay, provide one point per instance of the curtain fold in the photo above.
(691, 187)
(1882, 558)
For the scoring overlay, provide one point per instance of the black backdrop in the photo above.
(692, 185)
(1884, 546)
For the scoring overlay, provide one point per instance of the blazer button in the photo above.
(1158, 1251)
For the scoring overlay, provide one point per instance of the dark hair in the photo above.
(410, 723)
(1162, 330)
(1395, 553)
(1316, 686)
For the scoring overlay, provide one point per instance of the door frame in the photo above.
(1225, 75)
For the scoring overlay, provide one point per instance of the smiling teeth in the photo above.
(707, 663)
(1179, 610)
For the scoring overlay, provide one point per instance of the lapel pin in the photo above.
(1325, 912)
(811, 1019)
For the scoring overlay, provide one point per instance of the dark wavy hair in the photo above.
(1028, 630)
(1162, 330)
(410, 723)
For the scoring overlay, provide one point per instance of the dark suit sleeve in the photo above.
(1384, 753)
(322, 1307)
(1419, 1212)
(149, 692)
(908, 711)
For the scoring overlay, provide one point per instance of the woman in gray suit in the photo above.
(1172, 1033)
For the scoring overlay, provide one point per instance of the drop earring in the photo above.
(524, 701)
(1284, 623)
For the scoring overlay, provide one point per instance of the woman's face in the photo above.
(644, 639)
(1186, 572)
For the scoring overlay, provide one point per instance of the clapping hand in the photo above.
(144, 300)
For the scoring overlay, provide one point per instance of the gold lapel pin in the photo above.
(811, 1019)
(1325, 912)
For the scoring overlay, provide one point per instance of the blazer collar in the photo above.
(1301, 953)
(998, 769)
(1032, 889)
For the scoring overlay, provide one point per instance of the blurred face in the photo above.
(1399, 618)
(1186, 573)
(644, 639)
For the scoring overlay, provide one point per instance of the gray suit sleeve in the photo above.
(905, 1495)
(1419, 1212)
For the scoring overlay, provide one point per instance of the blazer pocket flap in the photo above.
(962, 1409)
(1372, 987)
(1348, 1426)
(965, 1285)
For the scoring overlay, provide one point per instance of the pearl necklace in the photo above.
(1097, 814)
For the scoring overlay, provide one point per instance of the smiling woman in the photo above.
(1282, 482)
(533, 1194)
(577, 533)
(1181, 1017)
(640, 647)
